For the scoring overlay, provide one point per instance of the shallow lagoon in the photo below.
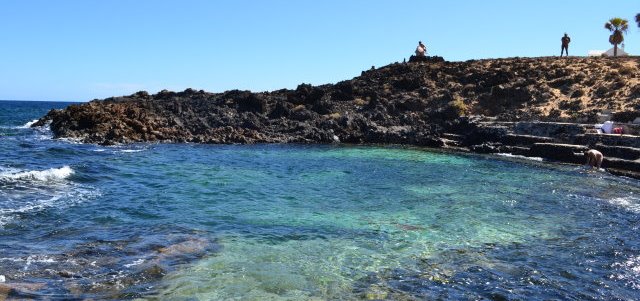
(296, 222)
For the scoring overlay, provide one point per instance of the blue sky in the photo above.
(78, 50)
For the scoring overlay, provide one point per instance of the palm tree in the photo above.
(618, 27)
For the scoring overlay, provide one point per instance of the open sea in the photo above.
(304, 222)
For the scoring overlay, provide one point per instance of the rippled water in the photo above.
(292, 222)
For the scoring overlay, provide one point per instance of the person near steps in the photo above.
(594, 158)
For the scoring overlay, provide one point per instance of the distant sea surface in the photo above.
(303, 222)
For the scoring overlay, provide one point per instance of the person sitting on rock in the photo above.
(421, 50)
(594, 158)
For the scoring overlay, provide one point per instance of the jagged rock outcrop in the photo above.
(427, 59)
(408, 103)
(418, 103)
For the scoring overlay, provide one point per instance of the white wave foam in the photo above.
(7, 214)
(36, 205)
(507, 155)
(131, 150)
(630, 203)
(137, 262)
(71, 140)
(28, 124)
(52, 174)
(61, 197)
(30, 259)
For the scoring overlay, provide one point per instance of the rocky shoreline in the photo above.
(524, 106)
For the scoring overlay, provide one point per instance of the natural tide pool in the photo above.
(295, 222)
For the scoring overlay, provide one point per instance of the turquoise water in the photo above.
(295, 222)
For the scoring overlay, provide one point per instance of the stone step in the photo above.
(549, 129)
(515, 150)
(453, 136)
(563, 142)
(624, 173)
(622, 152)
(456, 148)
(520, 139)
(570, 153)
(621, 164)
(494, 127)
(450, 142)
(608, 139)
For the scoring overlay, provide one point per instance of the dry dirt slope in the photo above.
(559, 89)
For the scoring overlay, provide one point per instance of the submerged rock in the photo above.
(121, 269)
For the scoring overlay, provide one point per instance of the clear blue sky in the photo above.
(78, 50)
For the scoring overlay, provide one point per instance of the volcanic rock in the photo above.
(413, 103)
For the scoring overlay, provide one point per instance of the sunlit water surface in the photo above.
(292, 222)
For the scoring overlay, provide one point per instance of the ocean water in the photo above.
(302, 222)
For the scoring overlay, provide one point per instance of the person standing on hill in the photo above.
(421, 50)
(565, 44)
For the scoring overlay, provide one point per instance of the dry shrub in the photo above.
(628, 71)
(457, 107)
(335, 115)
(612, 76)
(359, 102)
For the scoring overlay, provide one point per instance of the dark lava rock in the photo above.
(406, 103)
(428, 59)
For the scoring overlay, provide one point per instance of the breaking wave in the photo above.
(28, 124)
(52, 174)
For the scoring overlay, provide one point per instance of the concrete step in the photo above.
(515, 150)
(622, 152)
(608, 139)
(549, 129)
(624, 173)
(456, 148)
(450, 142)
(491, 126)
(570, 153)
(621, 164)
(519, 139)
(452, 136)
(564, 142)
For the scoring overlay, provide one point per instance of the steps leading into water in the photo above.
(520, 139)
(623, 152)
(557, 141)
(609, 139)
